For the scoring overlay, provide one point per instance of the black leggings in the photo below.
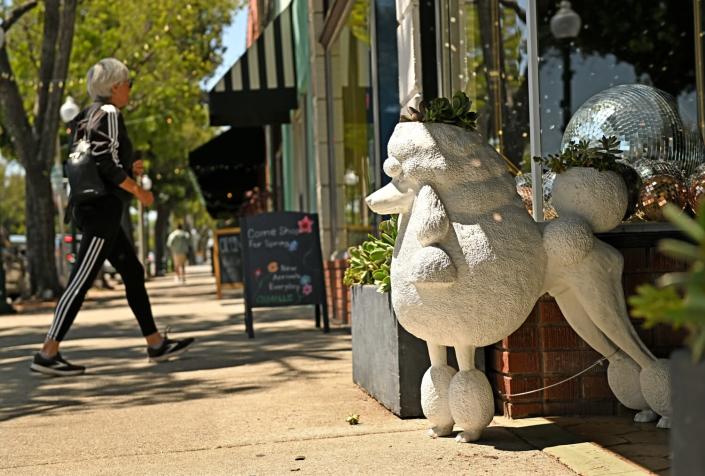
(103, 238)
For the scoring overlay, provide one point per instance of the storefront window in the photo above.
(625, 69)
(353, 133)
(483, 52)
(628, 42)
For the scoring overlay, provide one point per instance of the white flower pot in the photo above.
(600, 198)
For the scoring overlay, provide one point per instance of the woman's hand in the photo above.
(145, 197)
(137, 168)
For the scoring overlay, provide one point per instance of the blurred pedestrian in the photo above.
(179, 243)
(103, 127)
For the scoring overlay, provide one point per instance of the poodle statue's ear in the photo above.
(432, 214)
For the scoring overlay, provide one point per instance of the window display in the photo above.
(353, 134)
(625, 69)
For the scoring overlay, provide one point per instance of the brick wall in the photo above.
(545, 350)
(338, 295)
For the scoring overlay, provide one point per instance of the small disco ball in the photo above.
(633, 182)
(662, 183)
(646, 122)
(696, 188)
(525, 191)
(549, 213)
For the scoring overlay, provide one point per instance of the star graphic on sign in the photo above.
(305, 225)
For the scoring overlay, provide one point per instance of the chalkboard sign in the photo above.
(283, 265)
(227, 255)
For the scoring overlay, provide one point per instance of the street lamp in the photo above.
(146, 184)
(565, 26)
(68, 112)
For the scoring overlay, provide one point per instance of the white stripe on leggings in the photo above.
(79, 281)
(72, 286)
(75, 287)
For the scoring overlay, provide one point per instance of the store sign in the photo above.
(282, 261)
(227, 255)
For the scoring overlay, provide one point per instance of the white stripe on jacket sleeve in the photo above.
(112, 118)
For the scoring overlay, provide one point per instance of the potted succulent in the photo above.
(591, 179)
(388, 362)
(678, 299)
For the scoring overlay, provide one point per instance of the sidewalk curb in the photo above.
(583, 457)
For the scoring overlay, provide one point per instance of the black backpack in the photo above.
(81, 169)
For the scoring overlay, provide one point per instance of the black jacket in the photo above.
(110, 146)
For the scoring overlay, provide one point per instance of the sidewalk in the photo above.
(273, 405)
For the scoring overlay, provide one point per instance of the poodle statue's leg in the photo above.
(656, 385)
(434, 392)
(623, 372)
(654, 379)
(598, 287)
(471, 402)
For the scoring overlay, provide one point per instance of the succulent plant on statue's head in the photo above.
(602, 157)
(455, 112)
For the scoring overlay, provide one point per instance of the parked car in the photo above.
(66, 257)
(14, 260)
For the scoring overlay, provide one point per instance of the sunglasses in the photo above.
(130, 82)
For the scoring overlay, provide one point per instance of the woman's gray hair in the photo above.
(103, 76)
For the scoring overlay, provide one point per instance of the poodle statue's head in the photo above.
(439, 155)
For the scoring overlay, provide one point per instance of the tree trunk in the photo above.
(39, 211)
(35, 144)
(161, 230)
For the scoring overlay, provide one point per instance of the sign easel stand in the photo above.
(249, 326)
(326, 325)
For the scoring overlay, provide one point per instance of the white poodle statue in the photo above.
(470, 263)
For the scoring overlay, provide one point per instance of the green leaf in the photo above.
(697, 345)
(686, 224)
(673, 279)
(654, 304)
(679, 249)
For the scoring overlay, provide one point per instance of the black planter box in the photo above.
(688, 425)
(388, 362)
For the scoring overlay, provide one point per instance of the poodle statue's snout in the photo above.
(390, 200)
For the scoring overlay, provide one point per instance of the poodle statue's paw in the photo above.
(432, 265)
(468, 436)
(646, 416)
(664, 422)
(440, 431)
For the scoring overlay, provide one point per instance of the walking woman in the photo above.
(99, 220)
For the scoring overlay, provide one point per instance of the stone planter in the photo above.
(388, 362)
(688, 423)
(600, 197)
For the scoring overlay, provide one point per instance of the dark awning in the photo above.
(260, 88)
(227, 166)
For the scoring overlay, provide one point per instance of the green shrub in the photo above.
(679, 298)
(370, 262)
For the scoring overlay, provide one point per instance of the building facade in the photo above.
(358, 63)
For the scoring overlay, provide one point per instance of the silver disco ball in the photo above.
(646, 122)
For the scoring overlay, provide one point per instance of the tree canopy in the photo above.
(170, 46)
